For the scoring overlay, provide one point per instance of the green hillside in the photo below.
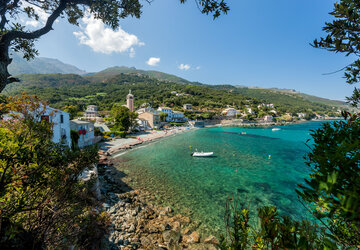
(113, 71)
(325, 101)
(61, 90)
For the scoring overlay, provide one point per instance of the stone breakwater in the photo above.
(137, 223)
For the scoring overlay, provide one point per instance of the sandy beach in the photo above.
(119, 144)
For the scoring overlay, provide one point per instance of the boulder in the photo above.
(192, 238)
(211, 240)
(185, 220)
(171, 237)
(176, 226)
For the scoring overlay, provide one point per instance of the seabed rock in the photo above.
(138, 224)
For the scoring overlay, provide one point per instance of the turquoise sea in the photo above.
(241, 167)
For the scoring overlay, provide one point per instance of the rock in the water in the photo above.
(192, 238)
(211, 240)
(176, 226)
(132, 228)
(195, 236)
(170, 237)
(185, 220)
(186, 231)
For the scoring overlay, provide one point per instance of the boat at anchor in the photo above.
(202, 154)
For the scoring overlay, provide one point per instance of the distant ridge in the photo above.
(113, 71)
(45, 72)
(311, 98)
(41, 65)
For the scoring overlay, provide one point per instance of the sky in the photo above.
(263, 43)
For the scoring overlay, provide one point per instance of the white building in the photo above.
(85, 130)
(171, 115)
(250, 111)
(301, 115)
(167, 111)
(229, 112)
(178, 116)
(188, 106)
(268, 118)
(91, 112)
(146, 109)
(61, 125)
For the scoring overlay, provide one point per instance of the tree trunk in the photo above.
(4, 63)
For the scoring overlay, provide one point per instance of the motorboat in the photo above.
(275, 129)
(202, 154)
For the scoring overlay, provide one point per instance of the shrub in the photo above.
(274, 232)
(121, 134)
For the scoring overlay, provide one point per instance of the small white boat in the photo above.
(202, 154)
(275, 129)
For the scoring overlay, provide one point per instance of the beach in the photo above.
(120, 144)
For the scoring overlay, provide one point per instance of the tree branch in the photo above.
(12, 35)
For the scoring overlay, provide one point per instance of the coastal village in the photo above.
(92, 127)
(136, 125)
(135, 221)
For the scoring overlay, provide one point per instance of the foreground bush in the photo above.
(273, 232)
(332, 191)
(43, 202)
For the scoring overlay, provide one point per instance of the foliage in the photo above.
(72, 110)
(43, 201)
(121, 134)
(343, 36)
(332, 190)
(286, 118)
(97, 132)
(74, 139)
(163, 116)
(309, 116)
(64, 90)
(122, 118)
(178, 123)
(274, 232)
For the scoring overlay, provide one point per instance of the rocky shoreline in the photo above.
(137, 223)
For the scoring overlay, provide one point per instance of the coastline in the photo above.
(136, 217)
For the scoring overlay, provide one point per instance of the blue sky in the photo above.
(259, 43)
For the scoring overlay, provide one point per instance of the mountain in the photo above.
(109, 87)
(113, 71)
(41, 65)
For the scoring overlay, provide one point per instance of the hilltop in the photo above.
(41, 65)
(109, 86)
(113, 71)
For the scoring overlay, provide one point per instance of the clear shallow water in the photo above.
(199, 186)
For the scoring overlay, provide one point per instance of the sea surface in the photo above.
(261, 167)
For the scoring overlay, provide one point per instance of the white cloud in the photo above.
(43, 16)
(184, 66)
(153, 61)
(198, 67)
(105, 40)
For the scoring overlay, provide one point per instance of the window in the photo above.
(45, 118)
(61, 118)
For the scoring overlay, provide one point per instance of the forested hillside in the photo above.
(69, 89)
(113, 71)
